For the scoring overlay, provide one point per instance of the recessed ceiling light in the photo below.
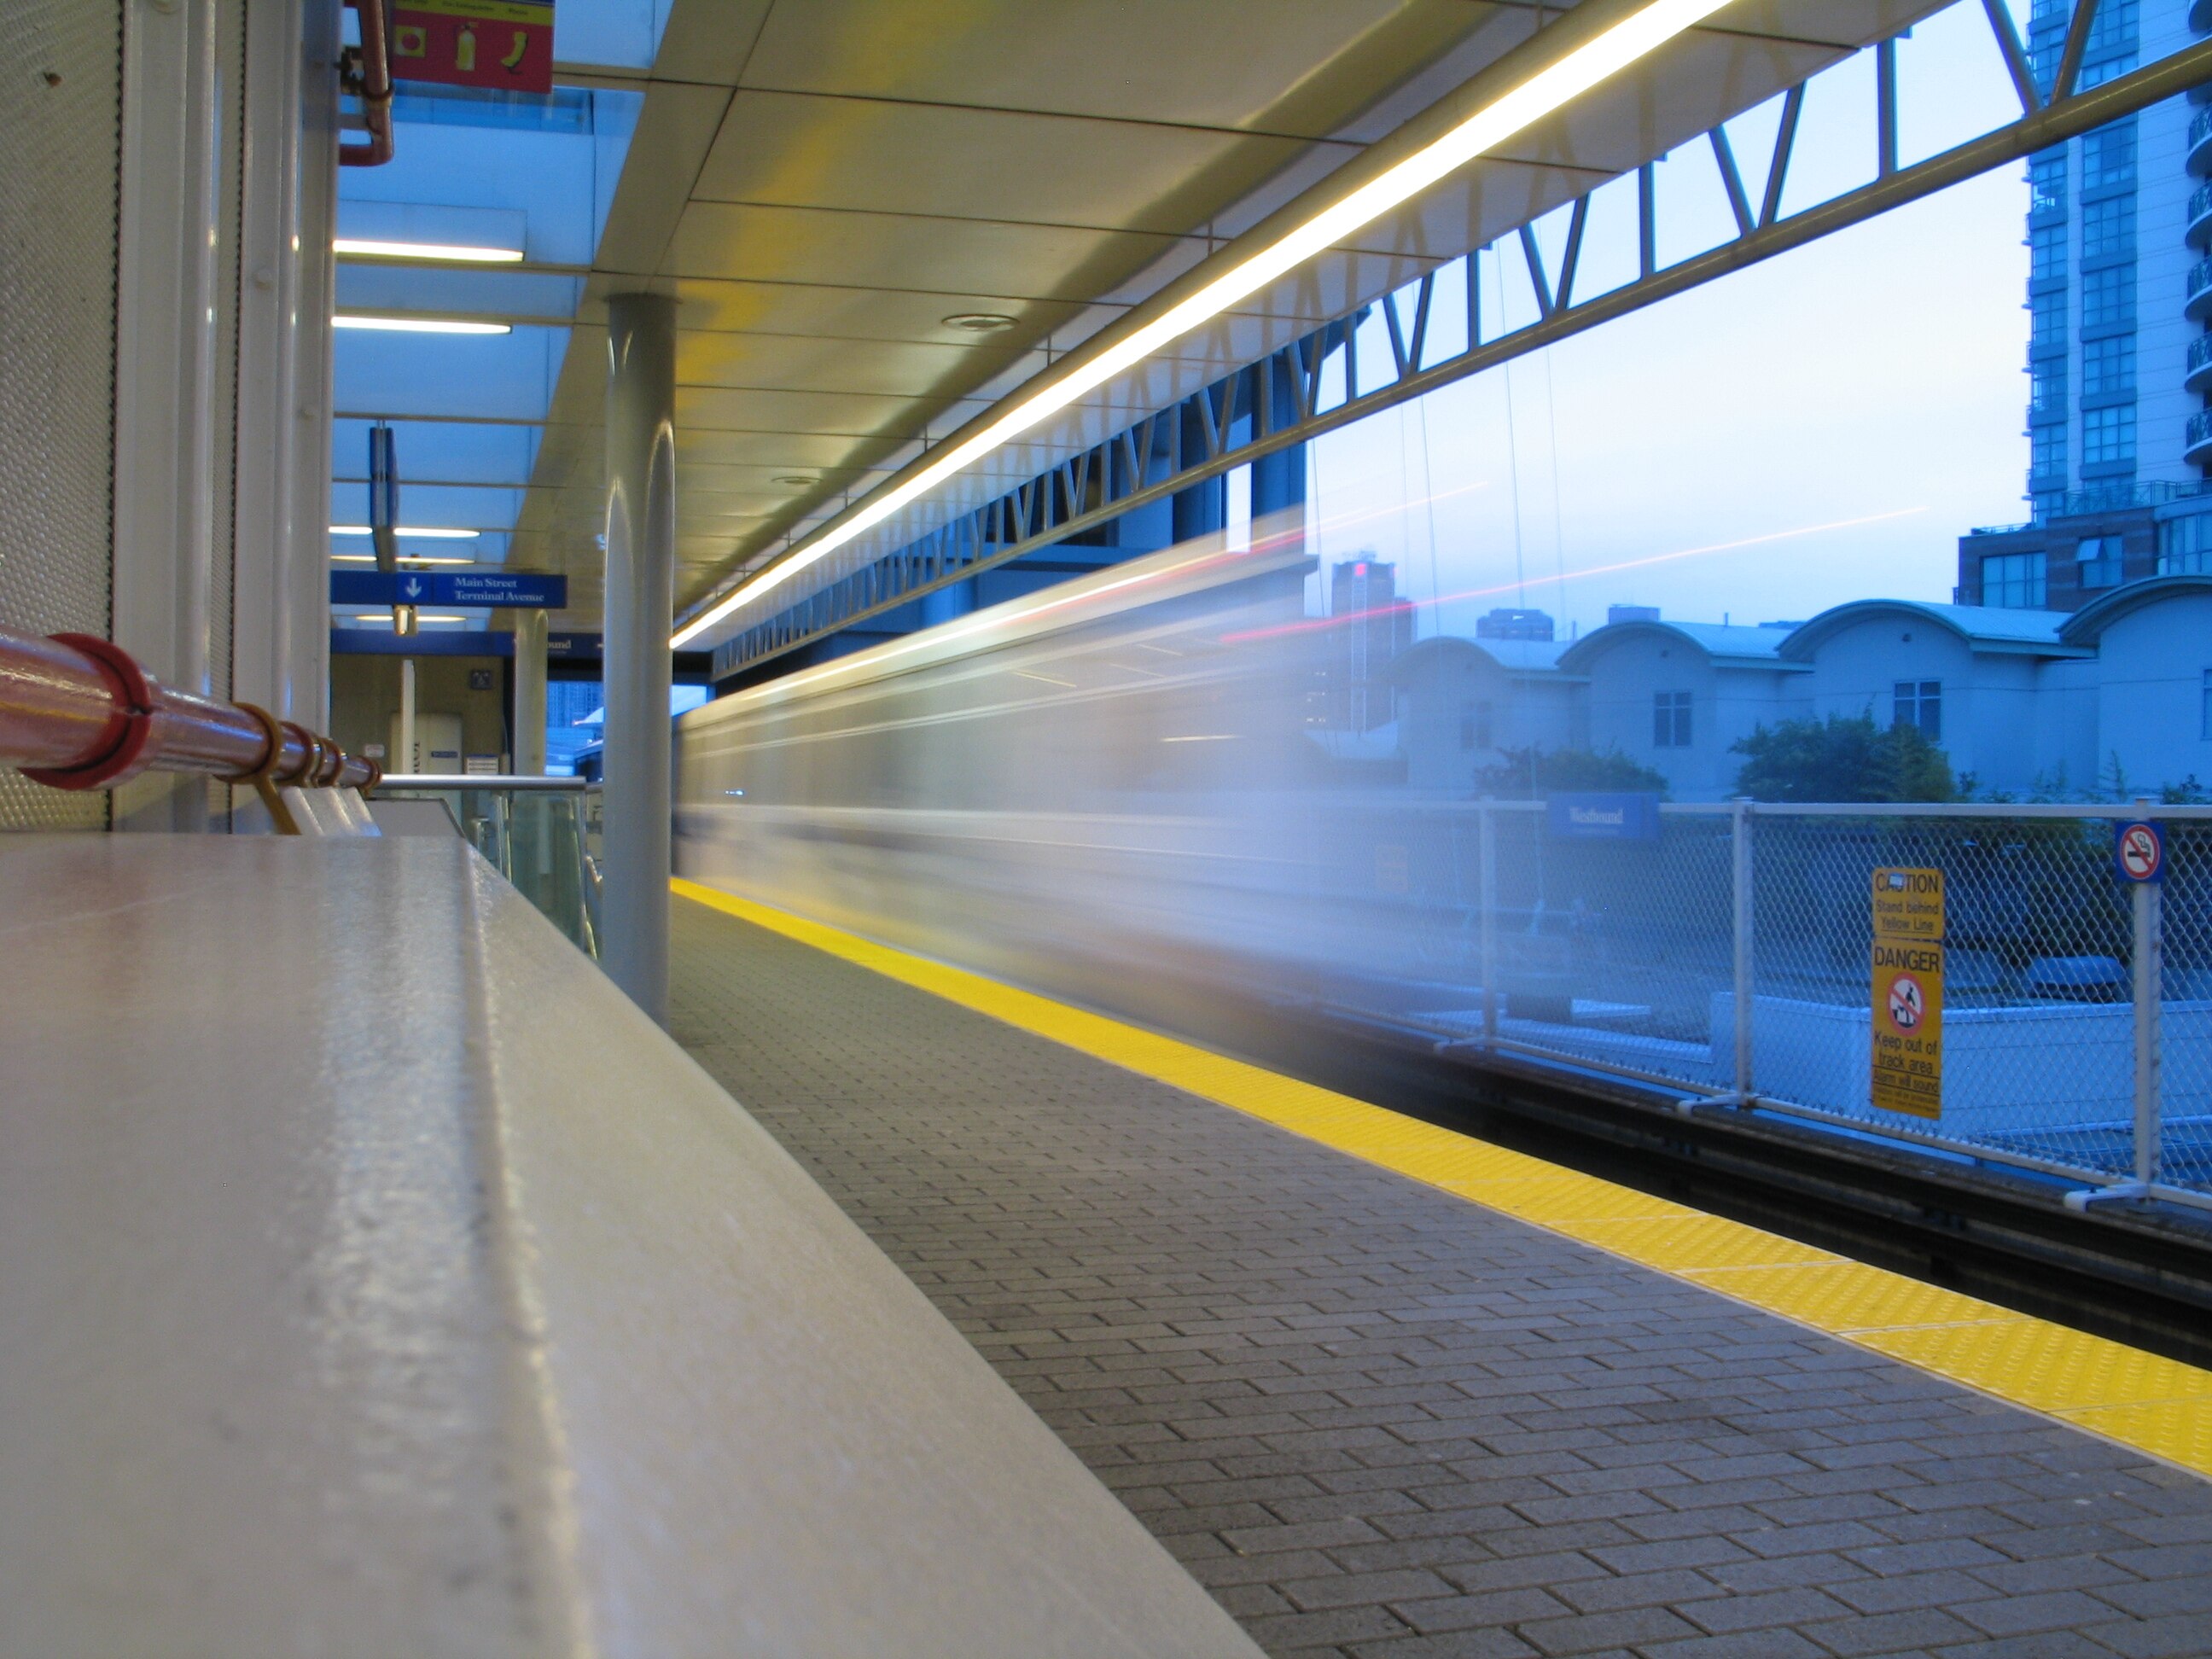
(794, 480)
(418, 325)
(1558, 83)
(978, 322)
(454, 252)
(427, 533)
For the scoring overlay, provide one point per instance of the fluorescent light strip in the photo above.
(404, 558)
(383, 619)
(1547, 90)
(418, 325)
(455, 252)
(423, 532)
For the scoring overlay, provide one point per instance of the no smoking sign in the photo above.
(2139, 852)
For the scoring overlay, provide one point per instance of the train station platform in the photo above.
(1388, 1390)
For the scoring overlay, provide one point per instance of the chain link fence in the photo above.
(1645, 955)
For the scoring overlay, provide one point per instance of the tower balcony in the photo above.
(2199, 234)
(2197, 376)
(2196, 439)
(2200, 144)
(2198, 305)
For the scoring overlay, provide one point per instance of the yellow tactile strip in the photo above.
(2138, 1398)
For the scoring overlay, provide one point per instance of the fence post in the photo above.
(2150, 992)
(1486, 842)
(1739, 851)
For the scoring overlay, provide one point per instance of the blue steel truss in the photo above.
(1294, 394)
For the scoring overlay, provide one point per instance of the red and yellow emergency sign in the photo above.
(507, 43)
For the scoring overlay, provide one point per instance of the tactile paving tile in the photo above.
(1850, 1296)
(2044, 1365)
(1688, 1244)
(1552, 1199)
(2180, 1430)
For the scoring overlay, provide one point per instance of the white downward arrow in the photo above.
(413, 588)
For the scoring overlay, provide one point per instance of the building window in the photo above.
(2108, 297)
(2013, 581)
(2046, 252)
(2049, 451)
(2046, 182)
(2047, 321)
(2108, 435)
(2185, 546)
(2108, 227)
(2117, 27)
(1670, 719)
(2108, 366)
(1919, 703)
(1474, 726)
(2108, 155)
(2098, 561)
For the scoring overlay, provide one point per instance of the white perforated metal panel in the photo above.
(59, 130)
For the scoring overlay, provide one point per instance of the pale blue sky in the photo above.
(1871, 381)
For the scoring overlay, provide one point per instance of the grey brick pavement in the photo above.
(1378, 1421)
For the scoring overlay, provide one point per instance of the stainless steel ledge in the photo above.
(380, 1281)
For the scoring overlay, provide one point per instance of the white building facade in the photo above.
(1676, 696)
(2114, 698)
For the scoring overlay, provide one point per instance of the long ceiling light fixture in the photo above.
(418, 325)
(405, 559)
(445, 253)
(1549, 89)
(426, 532)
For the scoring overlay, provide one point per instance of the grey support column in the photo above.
(641, 600)
(530, 629)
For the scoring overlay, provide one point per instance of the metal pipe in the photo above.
(375, 88)
(2148, 975)
(79, 713)
(393, 783)
(1741, 906)
(1486, 846)
(641, 602)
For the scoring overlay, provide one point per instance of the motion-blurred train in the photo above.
(1115, 779)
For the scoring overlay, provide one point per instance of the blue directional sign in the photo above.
(1604, 817)
(521, 590)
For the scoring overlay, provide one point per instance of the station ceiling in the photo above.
(879, 217)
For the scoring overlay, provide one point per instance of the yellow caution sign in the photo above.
(1908, 903)
(1908, 991)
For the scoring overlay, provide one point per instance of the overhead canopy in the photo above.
(880, 216)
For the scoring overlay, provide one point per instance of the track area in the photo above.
(1376, 1416)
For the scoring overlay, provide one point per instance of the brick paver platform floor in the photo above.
(1378, 1420)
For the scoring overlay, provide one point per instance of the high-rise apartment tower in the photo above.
(2119, 356)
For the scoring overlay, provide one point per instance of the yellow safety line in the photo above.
(2140, 1400)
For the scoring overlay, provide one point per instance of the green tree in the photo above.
(1532, 774)
(1842, 758)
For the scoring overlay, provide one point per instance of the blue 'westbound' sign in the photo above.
(1604, 818)
(522, 590)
